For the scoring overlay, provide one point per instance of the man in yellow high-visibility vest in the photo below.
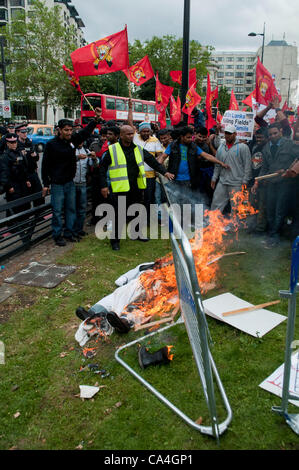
(124, 162)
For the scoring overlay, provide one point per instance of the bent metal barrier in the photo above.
(291, 419)
(195, 322)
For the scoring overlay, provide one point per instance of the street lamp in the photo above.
(283, 78)
(263, 45)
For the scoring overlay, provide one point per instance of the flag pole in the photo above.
(88, 102)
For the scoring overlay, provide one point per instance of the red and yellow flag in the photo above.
(175, 110)
(176, 76)
(264, 85)
(74, 81)
(163, 94)
(192, 99)
(141, 72)
(162, 119)
(106, 55)
(233, 104)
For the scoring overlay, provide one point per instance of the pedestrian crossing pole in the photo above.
(186, 53)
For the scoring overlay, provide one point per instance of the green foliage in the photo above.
(224, 99)
(165, 54)
(37, 48)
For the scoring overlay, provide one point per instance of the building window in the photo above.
(250, 67)
(250, 59)
(240, 67)
(229, 66)
(229, 59)
(249, 74)
(239, 82)
(3, 15)
(229, 81)
(239, 89)
(239, 97)
(16, 12)
(220, 74)
(3, 3)
(221, 67)
(239, 74)
(229, 74)
(17, 3)
(220, 82)
(240, 59)
(219, 59)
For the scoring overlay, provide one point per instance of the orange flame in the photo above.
(160, 287)
(170, 356)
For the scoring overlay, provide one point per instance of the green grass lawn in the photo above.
(41, 375)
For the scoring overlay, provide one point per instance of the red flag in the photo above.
(106, 55)
(264, 85)
(141, 72)
(233, 104)
(74, 81)
(192, 99)
(210, 122)
(163, 93)
(248, 100)
(162, 119)
(214, 95)
(176, 76)
(219, 117)
(285, 107)
(175, 110)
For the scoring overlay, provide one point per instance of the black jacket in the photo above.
(286, 153)
(59, 160)
(193, 161)
(13, 170)
(28, 149)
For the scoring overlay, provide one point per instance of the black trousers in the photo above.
(134, 196)
(279, 200)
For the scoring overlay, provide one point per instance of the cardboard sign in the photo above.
(243, 122)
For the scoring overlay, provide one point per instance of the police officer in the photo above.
(26, 147)
(14, 173)
(10, 129)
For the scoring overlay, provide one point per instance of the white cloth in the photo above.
(133, 273)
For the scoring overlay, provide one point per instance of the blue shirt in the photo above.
(183, 171)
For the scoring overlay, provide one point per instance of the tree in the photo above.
(165, 54)
(224, 99)
(37, 47)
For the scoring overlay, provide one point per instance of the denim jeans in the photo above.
(81, 205)
(63, 197)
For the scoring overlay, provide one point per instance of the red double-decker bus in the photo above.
(116, 108)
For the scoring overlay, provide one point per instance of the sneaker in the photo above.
(84, 314)
(60, 241)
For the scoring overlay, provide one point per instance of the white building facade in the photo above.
(9, 9)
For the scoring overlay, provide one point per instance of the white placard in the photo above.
(274, 383)
(243, 122)
(256, 323)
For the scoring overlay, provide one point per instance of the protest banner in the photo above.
(242, 121)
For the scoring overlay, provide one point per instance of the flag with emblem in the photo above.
(233, 104)
(176, 76)
(141, 72)
(106, 55)
(74, 81)
(192, 100)
(162, 94)
(175, 110)
(264, 85)
(210, 122)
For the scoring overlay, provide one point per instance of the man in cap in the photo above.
(14, 175)
(26, 147)
(237, 156)
(10, 129)
(58, 171)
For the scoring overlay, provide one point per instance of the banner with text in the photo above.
(242, 121)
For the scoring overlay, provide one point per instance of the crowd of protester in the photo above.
(126, 159)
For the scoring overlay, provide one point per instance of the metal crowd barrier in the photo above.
(291, 419)
(195, 322)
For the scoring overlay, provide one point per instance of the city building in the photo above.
(236, 71)
(281, 60)
(9, 9)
